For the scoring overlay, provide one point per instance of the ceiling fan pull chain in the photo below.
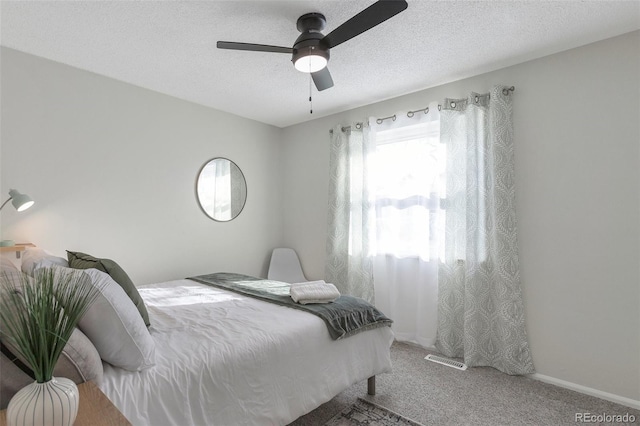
(310, 101)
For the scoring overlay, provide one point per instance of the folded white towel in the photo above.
(313, 292)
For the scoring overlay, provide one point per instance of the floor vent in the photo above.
(445, 361)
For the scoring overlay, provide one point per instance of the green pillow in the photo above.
(79, 260)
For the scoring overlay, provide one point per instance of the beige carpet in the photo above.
(433, 394)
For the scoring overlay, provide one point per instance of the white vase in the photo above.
(53, 403)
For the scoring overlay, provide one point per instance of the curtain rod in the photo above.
(345, 128)
(410, 114)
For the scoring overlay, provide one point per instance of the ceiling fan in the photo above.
(310, 51)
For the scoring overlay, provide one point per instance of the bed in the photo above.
(206, 351)
(224, 358)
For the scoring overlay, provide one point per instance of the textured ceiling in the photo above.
(170, 46)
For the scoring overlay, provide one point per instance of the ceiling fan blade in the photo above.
(253, 47)
(374, 15)
(322, 79)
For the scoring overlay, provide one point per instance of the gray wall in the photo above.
(112, 168)
(576, 118)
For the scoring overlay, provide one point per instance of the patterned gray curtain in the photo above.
(349, 263)
(480, 309)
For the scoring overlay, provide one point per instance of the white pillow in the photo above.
(7, 266)
(115, 327)
(34, 258)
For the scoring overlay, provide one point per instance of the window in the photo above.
(408, 182)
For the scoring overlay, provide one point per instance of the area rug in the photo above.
(365, 413)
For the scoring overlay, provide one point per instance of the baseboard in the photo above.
(588, 391)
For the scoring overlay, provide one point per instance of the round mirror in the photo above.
(221, 189)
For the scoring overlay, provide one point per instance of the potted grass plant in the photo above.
(37, 317)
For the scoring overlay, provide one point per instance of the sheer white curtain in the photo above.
(407, 180)
(480, 309)
(349, 262)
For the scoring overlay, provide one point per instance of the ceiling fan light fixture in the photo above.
(310, 63)
(310, 59)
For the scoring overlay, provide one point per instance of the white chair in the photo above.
(285, 266)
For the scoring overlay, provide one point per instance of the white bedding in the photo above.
(226, 359)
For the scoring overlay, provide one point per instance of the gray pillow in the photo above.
(34, 258)
(79, 362)
(79, 260)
